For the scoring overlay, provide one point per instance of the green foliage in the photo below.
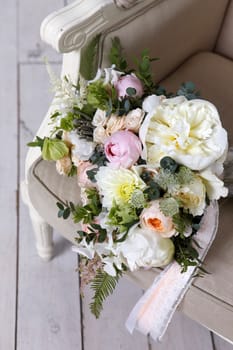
(39, 142)
(185, 175)
(188, 90)
(181, 222)
(123, 217)
(103, 285)
(99, 95)
(98, 157)
(169, 206)
(91, 174)
(116, 55)
(185, 254)
(144, 71)
(73, 171)
(88, 212)
(82, 123)
(95, 233)
(66, 123)
(169, 164)
(153, 191)
(138, 199)
(54, 149)
(89, 59)
(166, 180)
(64, 211)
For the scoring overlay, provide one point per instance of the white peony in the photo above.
(188, 131)
(214, 186)
(145, 248)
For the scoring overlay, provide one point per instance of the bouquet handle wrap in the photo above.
(154, 310)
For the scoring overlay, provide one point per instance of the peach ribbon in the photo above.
(154, 310)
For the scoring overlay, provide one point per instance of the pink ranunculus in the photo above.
(83, 180)
(152, 218)
(122, 149)
(129, 81)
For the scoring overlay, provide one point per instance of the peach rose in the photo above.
(100, 134)
(152, 218)
(83, 180)
(134, 119)
(114, 124)
(64, 165)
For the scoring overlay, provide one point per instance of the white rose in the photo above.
(151, 103)
(81, 148)
(100, 134)
(188, 131)
(133, 119)
(214, 186)
(145, 248)
(193, 196)
(99, 118)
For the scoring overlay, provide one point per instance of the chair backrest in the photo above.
(225, 41)
(172, 30)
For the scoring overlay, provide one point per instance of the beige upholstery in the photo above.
(173, 30)
(183, 33)
(225, 41)
(212, 75)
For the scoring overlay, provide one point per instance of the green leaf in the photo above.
(66, 123)
(169, 164)
(37, 143)
(54, 149)
(188, 90)
(103, 285)
(66, 213)
(116, 55)
(131, 91)
(89, 58)
(60, 205)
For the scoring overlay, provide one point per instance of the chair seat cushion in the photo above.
(213, 75)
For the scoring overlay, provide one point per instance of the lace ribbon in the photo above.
(154, 310)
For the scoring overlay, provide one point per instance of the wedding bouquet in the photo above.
(147, 163)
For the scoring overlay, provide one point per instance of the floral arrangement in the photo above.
(147, 163)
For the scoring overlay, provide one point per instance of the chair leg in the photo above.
(43, 231)
(43, 234)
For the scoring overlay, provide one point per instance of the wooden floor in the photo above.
(40, 308)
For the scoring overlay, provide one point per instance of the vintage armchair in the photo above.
(194, 40)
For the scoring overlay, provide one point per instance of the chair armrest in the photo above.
(71, 27)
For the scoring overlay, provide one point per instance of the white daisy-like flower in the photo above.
(118, 185)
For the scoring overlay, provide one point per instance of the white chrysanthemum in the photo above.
(117, 185)
(188, 131)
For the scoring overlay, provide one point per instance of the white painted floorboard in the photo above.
(39, 302)
(8, 174)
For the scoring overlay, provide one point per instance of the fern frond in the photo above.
(103, 285)
(88, 65)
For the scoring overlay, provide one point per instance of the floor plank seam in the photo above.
(212, 341)
(17, 204)
(81, 308)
